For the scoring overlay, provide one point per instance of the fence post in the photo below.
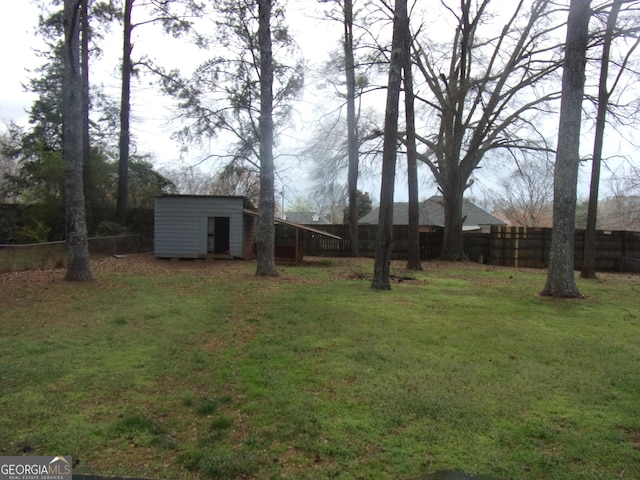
(516, 252)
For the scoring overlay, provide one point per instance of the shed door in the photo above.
(218, 231)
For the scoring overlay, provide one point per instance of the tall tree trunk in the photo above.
(384, 238)
(265, 235)
(413, 254)
(78, 268)
(125, 115)
(560, 278)
(453, 127)
(453, 240)
(86, 141)
(352, 128)
(588, 262)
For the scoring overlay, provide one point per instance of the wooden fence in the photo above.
(505, 246)
(529, 247)
(476, 245)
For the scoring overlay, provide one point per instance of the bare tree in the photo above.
(347, 19)
(621, 211)
(560, 278)
(189, 180)
(237, 179)
(331, 200)
(352, 127)
(485, 94)
(588, 262)
(78, 268)
(384, 238)
(355, 84)
(525, 196)
(328, 148)
(413, 254)
(603, 103)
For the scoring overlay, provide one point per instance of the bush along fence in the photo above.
(502, 246)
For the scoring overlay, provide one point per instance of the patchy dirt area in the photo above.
(147, 264)
(134, 264)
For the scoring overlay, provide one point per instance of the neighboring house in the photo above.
(198, 226)
(432, 216)
(306, 218)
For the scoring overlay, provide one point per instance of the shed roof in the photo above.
(296, 225)
(245, 201)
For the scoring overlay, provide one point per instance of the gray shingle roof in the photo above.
(432, 214)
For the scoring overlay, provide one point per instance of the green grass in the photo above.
(315, 375)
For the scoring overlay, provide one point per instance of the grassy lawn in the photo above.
(201, 370)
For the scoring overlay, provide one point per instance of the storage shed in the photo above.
(201, 226)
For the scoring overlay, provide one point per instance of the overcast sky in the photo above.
(16, 55)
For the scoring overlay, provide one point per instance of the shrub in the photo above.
(110, 229)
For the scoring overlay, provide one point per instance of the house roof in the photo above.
(432, 214)
(306, 218)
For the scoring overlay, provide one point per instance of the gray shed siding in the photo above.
(180, 229)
